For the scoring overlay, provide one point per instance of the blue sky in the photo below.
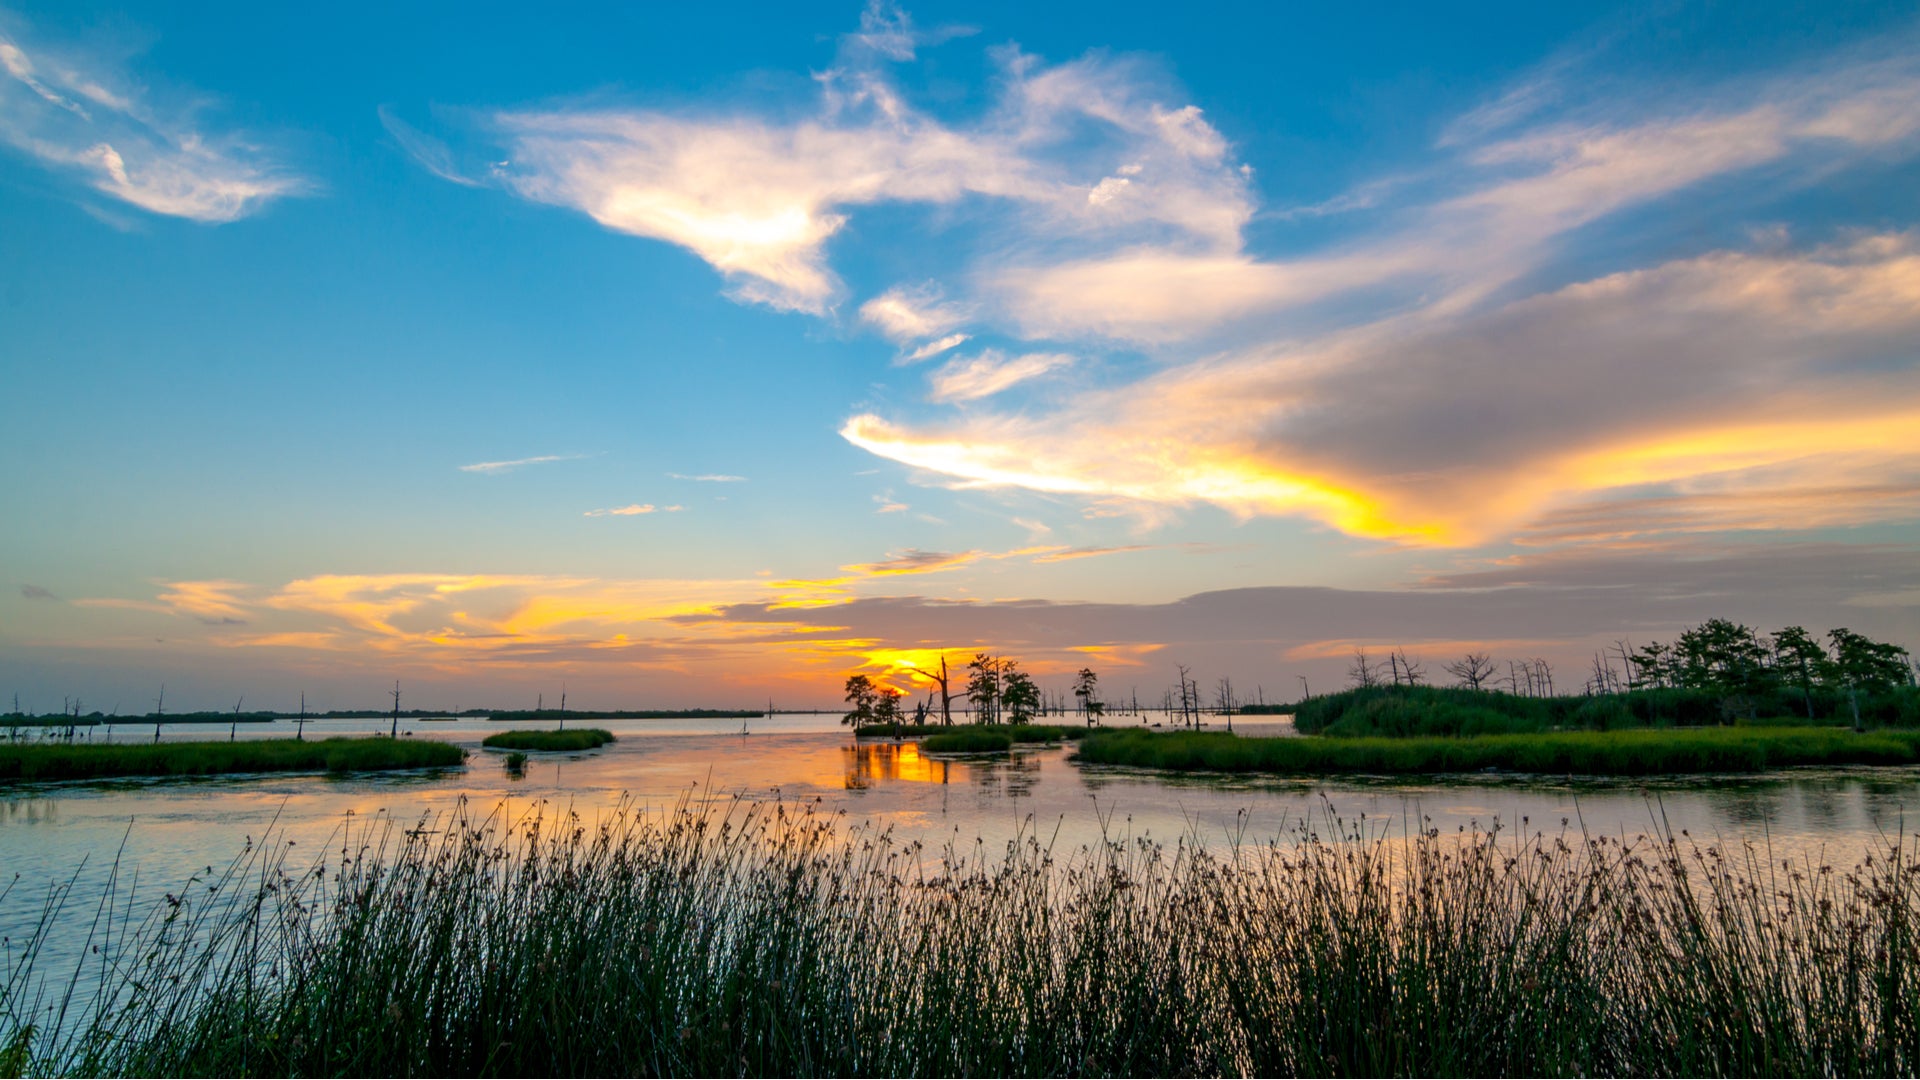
(826, 338)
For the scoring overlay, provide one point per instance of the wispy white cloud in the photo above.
(970, 378)
(915, 561)
(708, 478)
(934, 348)
(634, 510)
(430, 153)
(1089, 150)
(85, 119)
(489, 467)
(907, 313)
(888, 31)
(216, 603)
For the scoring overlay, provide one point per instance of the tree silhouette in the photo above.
(1018, 694)
(862, 695)
(1473, 670)
(1797, 653)
(1085, 685)
(983, 688)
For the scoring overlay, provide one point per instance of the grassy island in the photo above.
(571, 739)
(964, 741)
(1020, 733)
(1568, 753)
(66, 761)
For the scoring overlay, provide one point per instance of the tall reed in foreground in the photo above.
(753, 938)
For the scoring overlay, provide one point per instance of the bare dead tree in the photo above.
(159, 710)
(1546, 676)
(1473, 670)
(233, 727)
(300, 731)
(394, 732)
(1364, 673)
(946, 694)
(1223, 696)
(1624, 649)
(1410, 668)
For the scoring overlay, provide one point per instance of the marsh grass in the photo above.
(1578, 753)
(967, 742)
(1439, 710)
(569, 739)
(759, 938)
(80, 761)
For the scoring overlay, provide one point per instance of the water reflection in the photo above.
(1749, 809)
(871, 762)
(29, 811)
(1008, 778)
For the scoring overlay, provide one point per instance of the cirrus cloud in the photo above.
(83, 118)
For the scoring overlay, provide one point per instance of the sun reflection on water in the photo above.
(870, 762)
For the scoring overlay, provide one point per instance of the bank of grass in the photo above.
(765, 940)
(1439, 710)
(569, 739)
(964, 741)
(1581, 753)
(66, 761)
(1020, 733)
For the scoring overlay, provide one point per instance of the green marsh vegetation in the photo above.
(1020, 733)
(81, 761)
(1723, 698)
(568, 739)
(1567, 753)
(759, 938)
(967, 741)
(1401, 711)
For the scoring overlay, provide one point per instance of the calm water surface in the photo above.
(165, 831)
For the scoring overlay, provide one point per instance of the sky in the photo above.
(688, 357)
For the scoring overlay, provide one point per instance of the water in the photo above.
(164, 831)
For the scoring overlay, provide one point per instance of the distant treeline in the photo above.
(1716, 673)
(618, 714)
